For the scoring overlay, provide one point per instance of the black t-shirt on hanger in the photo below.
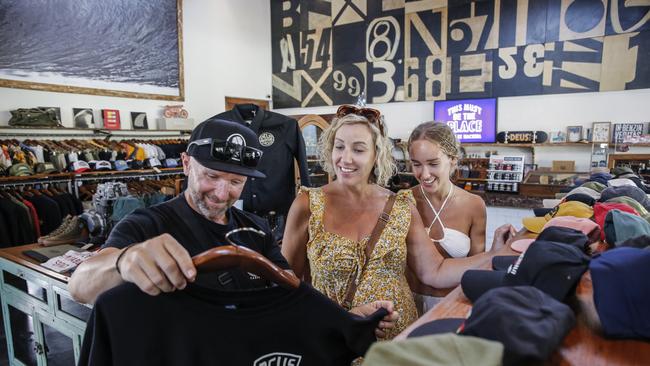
(198, 234)
(200, 326)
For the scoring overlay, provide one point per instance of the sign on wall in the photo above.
(329, 52)
(472, 120)
(623, 132)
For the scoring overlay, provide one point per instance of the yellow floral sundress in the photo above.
(333, 260)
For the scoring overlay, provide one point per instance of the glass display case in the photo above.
(538, 183)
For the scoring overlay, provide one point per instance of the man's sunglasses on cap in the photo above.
(230, 152)
(372, 115)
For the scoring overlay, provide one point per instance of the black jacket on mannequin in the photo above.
(281, 141)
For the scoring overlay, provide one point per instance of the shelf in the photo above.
(87, 175)
(505, 171)
(472, 179)
(503, 181)
(475, 159)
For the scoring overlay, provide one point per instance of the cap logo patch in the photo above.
(266, 139)
(513, 268)
(236, 139)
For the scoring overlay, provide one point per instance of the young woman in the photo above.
(328, 227)
(454, 219)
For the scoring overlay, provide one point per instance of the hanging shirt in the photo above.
(201, 326)
(281, 141)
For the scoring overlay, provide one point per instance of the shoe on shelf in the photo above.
(64, 224)
(74, 232)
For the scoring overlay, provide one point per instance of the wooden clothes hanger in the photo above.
(237, 256)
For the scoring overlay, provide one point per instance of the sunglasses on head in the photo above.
(372, 115)
(229, 152)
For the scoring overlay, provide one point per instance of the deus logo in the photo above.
(278, 359)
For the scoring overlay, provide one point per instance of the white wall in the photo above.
(227, 52)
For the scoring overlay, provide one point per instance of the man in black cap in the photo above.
(153, 247)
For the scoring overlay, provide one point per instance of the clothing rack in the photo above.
(7, 131)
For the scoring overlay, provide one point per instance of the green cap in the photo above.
(598, 187)
(44, 168)
(20, 170)
(642, 211)
(620, 226)
(441, 349)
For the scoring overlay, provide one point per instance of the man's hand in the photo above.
(503, 236)
(158, 264)
(388, 322)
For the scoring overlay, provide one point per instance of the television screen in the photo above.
(473, 120)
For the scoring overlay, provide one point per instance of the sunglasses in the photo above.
(372, 115)
(229, 152)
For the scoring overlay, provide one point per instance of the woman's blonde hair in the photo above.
(440, 134)
(384, 164)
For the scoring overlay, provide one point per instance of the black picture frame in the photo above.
(139, 121)
(83, 118)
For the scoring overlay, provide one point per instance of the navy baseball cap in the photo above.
(621, 293)
(630, 191)
(226, 146)
(529, 323)
(552, 267)
(580, 197)
(503, 262)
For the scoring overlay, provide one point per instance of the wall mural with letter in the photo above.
(327, 52)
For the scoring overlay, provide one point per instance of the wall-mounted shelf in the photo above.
(86, 132)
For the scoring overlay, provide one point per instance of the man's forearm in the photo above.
(95, 276)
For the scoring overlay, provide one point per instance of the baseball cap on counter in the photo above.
(596, 186)
(554, 268)
(102, 165)
(572, 208)
(528, 322)
(580, 197)
(586, 226)
(620, 281)
(620, 226)
(600, 212)
(630, 191)
(642, 211)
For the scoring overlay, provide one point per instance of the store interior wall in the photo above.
(227, 52)
(538, 112)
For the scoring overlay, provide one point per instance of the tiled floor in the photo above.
(497, 216)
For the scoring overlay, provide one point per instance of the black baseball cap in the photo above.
(528, 322)
(552, 267)
(226, 146)
(580, 197)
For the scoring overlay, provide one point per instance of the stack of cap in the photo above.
(620, 226)
(552, 267)
(572, 208)
(20, 170)
(529, 323)
(622, 292)
(585, 190)
(79, 166)
(45, 168)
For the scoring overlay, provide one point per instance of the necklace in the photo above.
(437, 213)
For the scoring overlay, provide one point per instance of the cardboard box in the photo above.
(564, 165)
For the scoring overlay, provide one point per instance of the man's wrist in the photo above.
(119, 258)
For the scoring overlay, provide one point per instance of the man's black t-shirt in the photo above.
(198, 234)
(199, 326)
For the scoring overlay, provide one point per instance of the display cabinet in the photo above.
(547, 183)
(639, 163)
(312, 127)
(505, 172)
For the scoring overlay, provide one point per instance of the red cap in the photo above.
(601, 210)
